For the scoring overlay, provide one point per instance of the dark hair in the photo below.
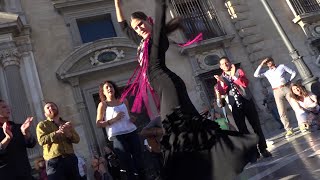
(224, 57)
(139, 15)
(269, 59)
(115, 87)
(301, 88)
(171, 26)
(50, 102)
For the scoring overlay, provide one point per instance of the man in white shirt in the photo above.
(276, 77)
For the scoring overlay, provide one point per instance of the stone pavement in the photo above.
(295, 158)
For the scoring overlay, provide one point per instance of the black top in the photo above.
(193, 147)
(14, 158)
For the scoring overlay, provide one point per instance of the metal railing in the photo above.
(305, 6)
(199, 16)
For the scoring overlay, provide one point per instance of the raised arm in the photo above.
(258, 73)
(125, 27)
(119, 12)
(158, 27)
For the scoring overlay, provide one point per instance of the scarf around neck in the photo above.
(139, 86)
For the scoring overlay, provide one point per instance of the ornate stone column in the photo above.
(10, 60)
(85, 120)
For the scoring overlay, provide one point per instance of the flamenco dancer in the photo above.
(193, 147)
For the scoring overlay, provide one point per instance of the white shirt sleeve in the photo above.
(257, 73)
(290, 71)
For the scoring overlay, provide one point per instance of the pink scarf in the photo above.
(138, 84)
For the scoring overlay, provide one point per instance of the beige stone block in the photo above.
(255, 38)
(244, 24)
(240, 8)
(248, 31)
(252, 48)
(258, 56)
(236, 2)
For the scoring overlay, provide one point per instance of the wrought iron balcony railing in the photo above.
(199, 16)
(301, 7)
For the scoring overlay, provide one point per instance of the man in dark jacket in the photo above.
(14, 139)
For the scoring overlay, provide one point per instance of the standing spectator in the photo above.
(82, 168)
(14, 139)
(233, 83)
(56, 136)
(113, 115)
(276, 77)
(271, 106)
(40, 166)
(305, 106)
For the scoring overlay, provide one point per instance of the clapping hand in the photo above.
(233, 70)
(218, 78)
(26, 125)
(7, 130)
(120, 115)
(66, 129)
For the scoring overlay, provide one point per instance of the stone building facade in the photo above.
(49, 52)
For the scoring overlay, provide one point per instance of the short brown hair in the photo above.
(269, 59)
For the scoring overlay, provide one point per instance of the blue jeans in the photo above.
(129, 151)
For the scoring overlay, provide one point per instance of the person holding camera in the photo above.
(232, 88)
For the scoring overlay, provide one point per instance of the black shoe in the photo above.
(254, 155)
(265, 153)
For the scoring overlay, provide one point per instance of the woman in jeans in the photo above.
(113, 115)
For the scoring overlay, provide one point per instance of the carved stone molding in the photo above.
(59, 5)
(95, 59)
(10, 57)
(201, 59)
(10, 23)
(74, 81)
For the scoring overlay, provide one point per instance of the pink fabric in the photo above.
(198, 38)
(139, 85)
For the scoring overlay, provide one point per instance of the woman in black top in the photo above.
(194, 147)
